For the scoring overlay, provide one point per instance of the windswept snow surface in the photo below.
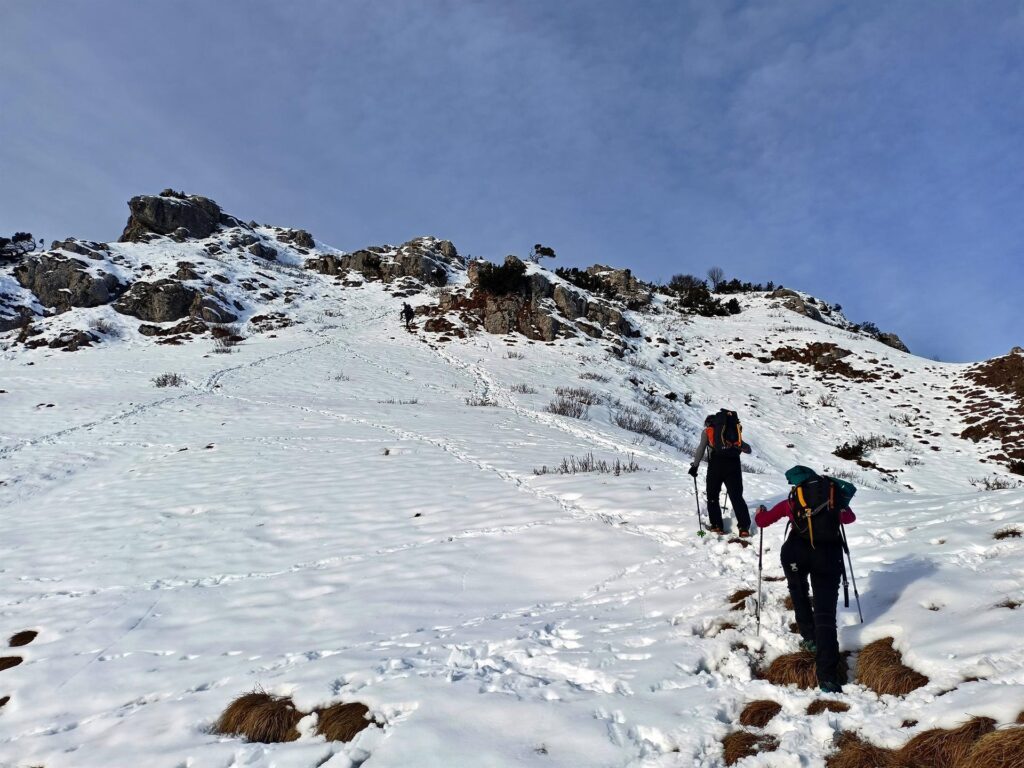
(321, 514)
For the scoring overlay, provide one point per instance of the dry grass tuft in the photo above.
(738, 595)
(1010, 532)
(999, 749)
(792, 669)
(788, 603)
(759, 713)
(854, 752)
(22, 638)
(740, 744)
(940, 747)
(818, 706)
(6, 662)
(880, 667)
(260, 717)
(341, 722)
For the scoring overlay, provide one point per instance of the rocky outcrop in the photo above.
(506, 300)
(87, 248)
(297, 237)
(158, 302)
(166, 300)
(622, 285)
(173, 213)
(794, 302)
(426, 259)
(894, 341)
(62, 283)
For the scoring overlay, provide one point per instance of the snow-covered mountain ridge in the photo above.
(341, 509)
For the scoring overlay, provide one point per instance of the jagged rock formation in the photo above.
(61, 283)
(505, 300)
(174, 213)
(894, 341)
(167, 300)
(426, 259)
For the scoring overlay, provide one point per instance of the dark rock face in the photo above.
(165, 300)
(262, 251)
(426, 259)
(535, 307)
(62, 283)
(622, 285)
(169, 213)
(72, 341)
(298, 237)
(894, 341)
(87, 248)
(158, 302)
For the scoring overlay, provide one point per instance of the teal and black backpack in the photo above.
(816, 501)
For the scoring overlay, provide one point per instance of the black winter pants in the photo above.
(727, 470)
(824, 566)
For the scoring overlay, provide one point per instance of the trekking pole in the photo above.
(760, 559)
(700, 521)
(853, 576)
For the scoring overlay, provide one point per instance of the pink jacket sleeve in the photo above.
(773, 515)
(782, 509)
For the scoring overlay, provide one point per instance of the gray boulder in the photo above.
(168, 213)
(62, 283)
(426, 259)
(158, 302)
(894, 341)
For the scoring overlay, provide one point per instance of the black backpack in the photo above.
(725, 433)
(817, 501)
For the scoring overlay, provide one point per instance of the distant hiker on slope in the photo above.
(723, 438)
(817, 508)
(407, 314)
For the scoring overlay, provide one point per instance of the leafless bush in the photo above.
(224, 345)
(994, 483)
(580, 394)
(393, 401)
(564, 406)
(1009, 532)
(572, 465)
(827, 401)
(856, 448)
(342, 377)
(104, 326)
(595, 377)
(479, 400)
(903, 419)
(514, 355)
(635, 420)
(168, 380)
(523, 389)
(637, 362)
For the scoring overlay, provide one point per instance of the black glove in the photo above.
(693, 470)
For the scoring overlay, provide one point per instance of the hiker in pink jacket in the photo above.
(813, 549)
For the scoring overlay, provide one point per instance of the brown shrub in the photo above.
(6, 662)
(759, 713)
(740, 744)
(788, 603)
(999, 749)
(341, 722)
(798, 669)
(943, 748)
(22, 638)
(818, 706)
(1009, 603)
(854, 752)
(1020, 718)
(794, 628)
(260, 717)
(880, 667)
(1010, 532)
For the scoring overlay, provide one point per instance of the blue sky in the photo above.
(869, 152)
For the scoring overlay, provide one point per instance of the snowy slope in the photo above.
(323, 513)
